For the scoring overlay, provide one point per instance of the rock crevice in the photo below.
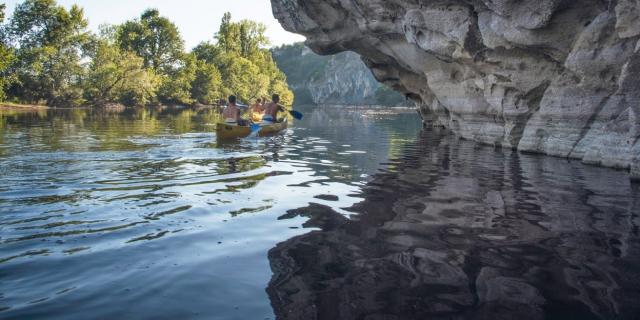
(557, 77)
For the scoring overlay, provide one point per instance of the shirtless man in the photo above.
(272, 109)
(231, 113)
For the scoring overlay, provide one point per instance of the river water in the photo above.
(353, 213)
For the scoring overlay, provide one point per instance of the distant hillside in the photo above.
(337, 79)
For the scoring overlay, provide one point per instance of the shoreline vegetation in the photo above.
(199, 106)
(49, 58)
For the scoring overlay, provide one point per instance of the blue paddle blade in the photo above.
(296, 115)
(255, 128)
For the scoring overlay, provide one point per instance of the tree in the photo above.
(244, 38)
(281, 88)
(240, 78)
(154, 38)
(208, 52)
(48, 56)
(176, 84)
(41, 23)
(6, 58)
(118, 76)
(49, 40)
(226, 35)
(246, 65)
(207, 86)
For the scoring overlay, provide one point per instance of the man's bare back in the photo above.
(272, 108)
(231, 113)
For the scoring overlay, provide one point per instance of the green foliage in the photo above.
(176, 83)
(6, 79)
(226, 35)
(118, 76)
(41, 23)
(207, 85)
(48, 40)
(245, 37)
(207, 52)
(47, 56)
(154, 38)
(6, 58)
(245, 64)
(281, 88)
(244, 78)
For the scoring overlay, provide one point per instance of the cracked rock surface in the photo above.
(560, 77)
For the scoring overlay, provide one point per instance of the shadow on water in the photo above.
(453, 230)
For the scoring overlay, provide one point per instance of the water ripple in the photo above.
(104, 213)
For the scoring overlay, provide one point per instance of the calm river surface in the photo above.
(353, 213)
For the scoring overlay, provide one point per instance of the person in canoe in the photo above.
(272, 109)
(256, 111)
(231, 113)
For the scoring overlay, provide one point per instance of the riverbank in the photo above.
(16, 106)
(108, 106)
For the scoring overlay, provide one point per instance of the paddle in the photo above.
(255, 128)
(296, 115)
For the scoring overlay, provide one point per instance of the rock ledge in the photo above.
(560, 77)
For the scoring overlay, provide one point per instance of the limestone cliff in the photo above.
(560, 77)
(341, 79)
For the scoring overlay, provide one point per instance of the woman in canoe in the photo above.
(257, 111)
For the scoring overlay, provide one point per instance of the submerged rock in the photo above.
(552, 76)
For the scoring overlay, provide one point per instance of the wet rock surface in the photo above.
(557, 77)
(455, 230)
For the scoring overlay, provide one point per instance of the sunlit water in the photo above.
(353, 213)
(142, 214)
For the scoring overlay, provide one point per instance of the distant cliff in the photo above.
(339, 79)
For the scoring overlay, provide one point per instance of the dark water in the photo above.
(453, 230)
(142, 215)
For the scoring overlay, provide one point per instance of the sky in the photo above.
(198, 20)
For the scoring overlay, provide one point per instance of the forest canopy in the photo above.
(48, 56)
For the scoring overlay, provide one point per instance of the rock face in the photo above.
(560, 77)
(341, 79)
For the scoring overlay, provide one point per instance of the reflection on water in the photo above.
(454, 230)
(141, 214)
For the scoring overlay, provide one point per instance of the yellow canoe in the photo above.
(232, 131)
